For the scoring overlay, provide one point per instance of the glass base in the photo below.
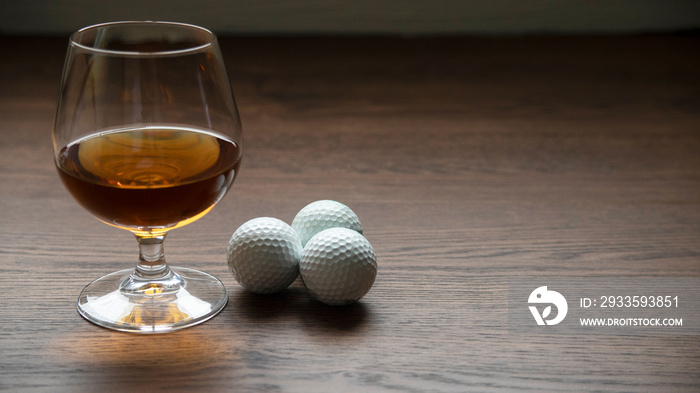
(126, 302)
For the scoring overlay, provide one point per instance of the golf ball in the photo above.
(338, 266)
(320, 215)
(263, 255)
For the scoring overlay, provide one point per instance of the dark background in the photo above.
(365, 17)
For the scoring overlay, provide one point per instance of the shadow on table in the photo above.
(295, 304)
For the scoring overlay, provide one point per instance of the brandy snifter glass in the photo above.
(147, 138)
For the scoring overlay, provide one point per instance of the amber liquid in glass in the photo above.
(151, 179)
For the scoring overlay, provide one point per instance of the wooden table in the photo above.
(470, 161)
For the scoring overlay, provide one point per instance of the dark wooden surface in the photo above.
(469, 161)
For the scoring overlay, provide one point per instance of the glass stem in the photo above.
(152, 274)
(152, 265)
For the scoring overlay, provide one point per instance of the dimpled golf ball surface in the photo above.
(263, 255)
(320, 215)
(338, 266)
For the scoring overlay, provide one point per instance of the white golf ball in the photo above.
(338, 266)
(320, 215)
(263, 255)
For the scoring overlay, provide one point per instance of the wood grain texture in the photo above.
(469, 161)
